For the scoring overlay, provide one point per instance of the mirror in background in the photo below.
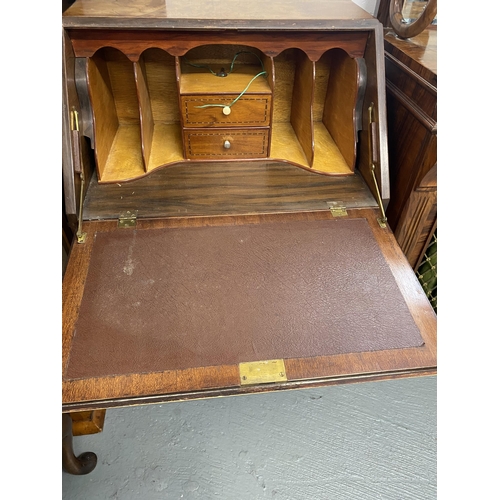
(409, 18)
(413, 9)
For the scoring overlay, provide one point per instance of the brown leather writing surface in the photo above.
(177, 298)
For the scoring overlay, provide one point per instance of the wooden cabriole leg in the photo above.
(83, 464)
(88, 422)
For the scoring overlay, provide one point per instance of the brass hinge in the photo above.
(262, 372)
(127, 219)
(337, 208)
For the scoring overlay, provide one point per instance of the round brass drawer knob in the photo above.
(227, 144)
(226, 110)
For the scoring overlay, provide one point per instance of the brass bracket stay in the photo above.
(372, 141)
(81, 237)
(382, 221)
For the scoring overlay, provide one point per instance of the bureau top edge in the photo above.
(112, 23)
(216, 14)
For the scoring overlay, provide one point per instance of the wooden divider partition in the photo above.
(137, 107)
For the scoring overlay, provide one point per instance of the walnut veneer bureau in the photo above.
(226, 172)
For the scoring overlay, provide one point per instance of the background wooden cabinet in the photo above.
(411, 87)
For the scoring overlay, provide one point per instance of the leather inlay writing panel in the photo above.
(177, 298)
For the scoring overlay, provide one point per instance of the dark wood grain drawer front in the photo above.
(232, 143)
(248, 111)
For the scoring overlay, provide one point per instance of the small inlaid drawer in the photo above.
(247, 111)
(209, 144)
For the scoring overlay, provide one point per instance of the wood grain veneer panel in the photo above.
(302, 101)
(201, 81)
(411, 85)
(252, 110)
(208, 144)
(113, 94)
(133, 43)
(375, 93)
(286, 146)
(166, 145)
(340, 104)
(145, 111)
(103, 108)
(321, 79)
(269, 68)
(219, 9)
(284, 67)
(418, 220)
(159, 70)
(69, 100)
(75, 390)
(271, 79)
(227, 188)
(122, 78)
(412, 146)
(125, 157)
(162, 85)
(413, 88)
(419, 56)
(328, 157)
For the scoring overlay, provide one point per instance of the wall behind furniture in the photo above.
(370, 6)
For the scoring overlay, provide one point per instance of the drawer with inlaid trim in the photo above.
(207, 144)
(222, 111)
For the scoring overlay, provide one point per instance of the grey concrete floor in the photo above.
(374, 440)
